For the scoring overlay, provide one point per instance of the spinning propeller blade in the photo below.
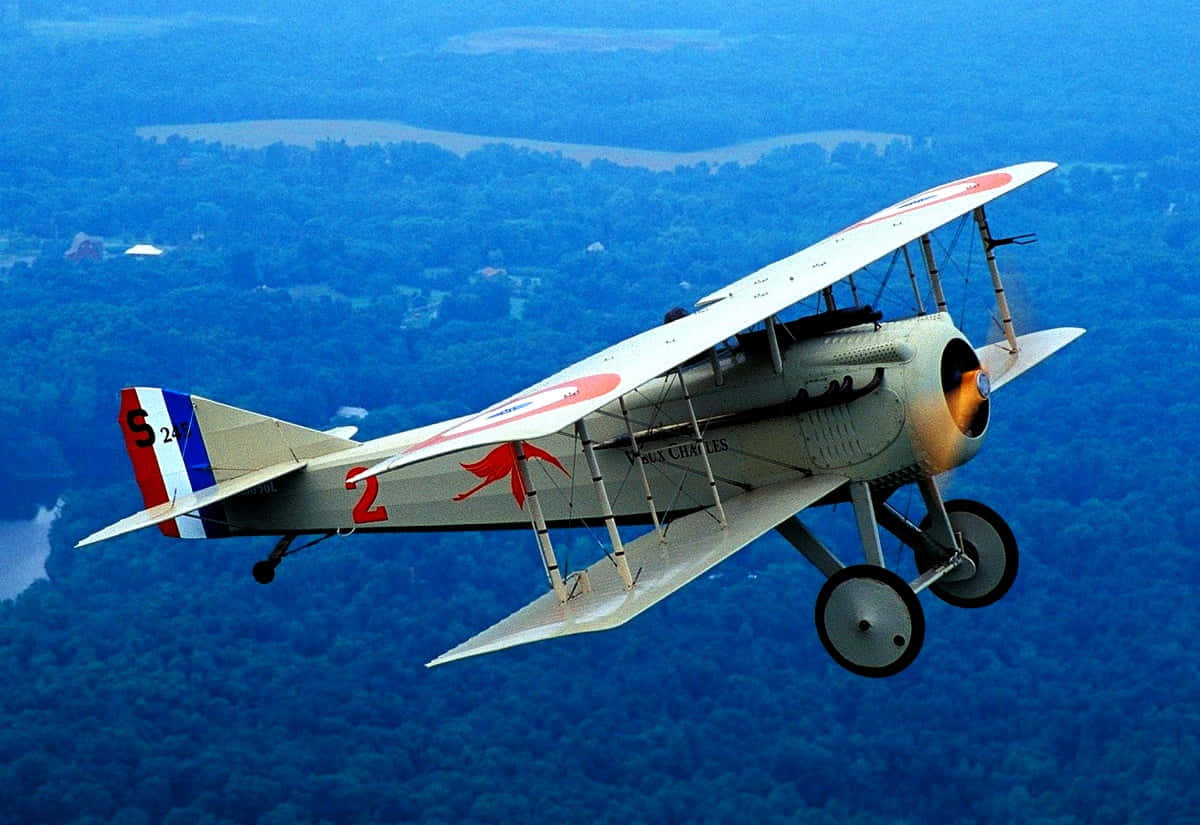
(965, 398)
(947, 419)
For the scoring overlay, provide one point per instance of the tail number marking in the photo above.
(366, 511)
(135, 420)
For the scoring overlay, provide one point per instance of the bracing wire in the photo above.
(886, 276)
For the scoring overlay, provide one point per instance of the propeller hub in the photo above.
(966, 387)
(983, 384)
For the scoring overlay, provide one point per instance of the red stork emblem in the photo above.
(502, 462)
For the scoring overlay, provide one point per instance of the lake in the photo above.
(24, 547)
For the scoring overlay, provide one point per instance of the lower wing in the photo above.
(690, 546)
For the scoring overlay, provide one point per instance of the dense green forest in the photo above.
(154, 681)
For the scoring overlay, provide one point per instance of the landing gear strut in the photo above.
(868, 618)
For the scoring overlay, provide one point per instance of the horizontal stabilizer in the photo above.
(191, 502)
(1002, 365)
(693, 545)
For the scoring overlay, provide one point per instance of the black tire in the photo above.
(264, 572)
(989, 542)
(870, 621)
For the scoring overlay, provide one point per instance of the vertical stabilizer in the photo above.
(181, 445)
(166, 445)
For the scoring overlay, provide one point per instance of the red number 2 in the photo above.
(365, 511)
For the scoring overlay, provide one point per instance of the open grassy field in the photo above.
(558, 39)
(111, 27)
(259, 133)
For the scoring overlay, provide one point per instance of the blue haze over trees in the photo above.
(152, 681)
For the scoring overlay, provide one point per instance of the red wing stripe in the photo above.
(937, 195)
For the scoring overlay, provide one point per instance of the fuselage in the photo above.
(868, 402)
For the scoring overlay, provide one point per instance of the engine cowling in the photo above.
(928, 414)
(948, 396)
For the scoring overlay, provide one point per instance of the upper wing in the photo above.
(587, 385)
(800, 275)
(693, 544)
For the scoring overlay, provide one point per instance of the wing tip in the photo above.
(1033, 169)
(112, 531)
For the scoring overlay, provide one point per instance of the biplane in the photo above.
(709, 430)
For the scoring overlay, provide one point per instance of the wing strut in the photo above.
(637, 459)
(912, 277)
(539, 526)
(985, 235)
(605, 505)
(935, 280)
(718, 372)
(712, 482)
(773, 341)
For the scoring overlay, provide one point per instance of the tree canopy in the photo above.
(151, 681)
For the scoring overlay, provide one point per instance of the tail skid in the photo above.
(189, 454)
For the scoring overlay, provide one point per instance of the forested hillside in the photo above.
(151, 680)
(1098, 87)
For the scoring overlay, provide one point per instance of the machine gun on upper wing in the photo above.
(709, 444)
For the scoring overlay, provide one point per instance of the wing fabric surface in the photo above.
(694, 544)
(1003, 366)
(587, 385)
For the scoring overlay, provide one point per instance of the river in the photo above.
(24, 547)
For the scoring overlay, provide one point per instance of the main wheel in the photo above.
(870, 621)
(987, 541)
